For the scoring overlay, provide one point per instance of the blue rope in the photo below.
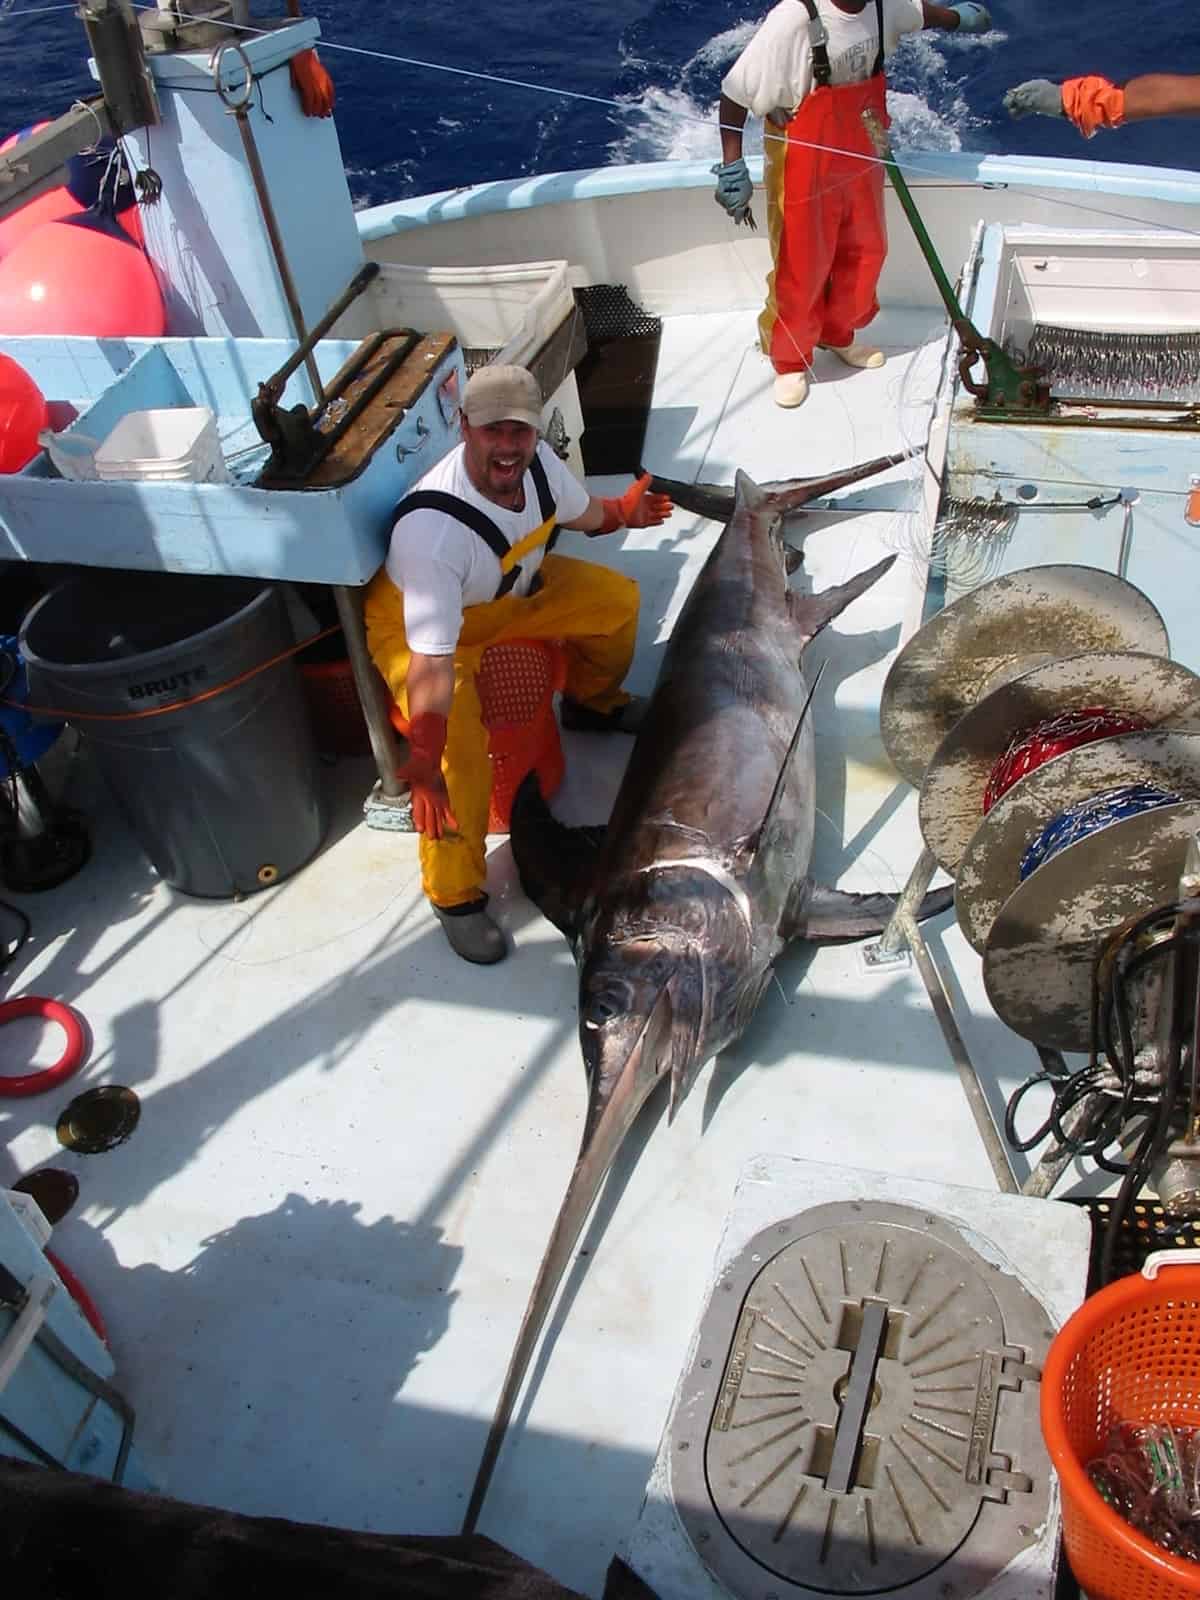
(1090, 816)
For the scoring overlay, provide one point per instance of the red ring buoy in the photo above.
(80, 1296)
(32, 1005)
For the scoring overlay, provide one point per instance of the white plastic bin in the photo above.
(512, 309)
(176, 445)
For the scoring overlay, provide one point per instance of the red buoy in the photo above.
(82, 275)
(47, 207)
(22, 416)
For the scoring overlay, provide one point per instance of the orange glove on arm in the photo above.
(636, 508)
(313, 84)
(431, 811)
(1093, 103)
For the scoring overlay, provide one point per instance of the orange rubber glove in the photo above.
(431, 811)
(313, 84)
(636, 508)
(1093, 103)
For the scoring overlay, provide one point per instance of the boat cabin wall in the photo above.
(205, 234)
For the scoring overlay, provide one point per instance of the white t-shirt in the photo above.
(441, 565)
(774, 71)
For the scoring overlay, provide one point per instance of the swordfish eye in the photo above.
(605, 1003)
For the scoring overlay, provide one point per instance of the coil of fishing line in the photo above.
(1031, 748)
(1092, 816)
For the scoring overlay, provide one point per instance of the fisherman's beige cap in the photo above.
(502, 394)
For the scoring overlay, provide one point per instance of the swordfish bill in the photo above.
(789, 496)
(679, 908)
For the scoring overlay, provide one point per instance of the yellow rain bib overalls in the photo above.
(590, 608)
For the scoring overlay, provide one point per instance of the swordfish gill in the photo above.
(679, 908)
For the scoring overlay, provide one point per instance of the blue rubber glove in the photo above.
(972, 18)
(1037, 97)
(734, 189)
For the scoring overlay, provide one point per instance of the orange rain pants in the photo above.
(825, 223)
(591, 608)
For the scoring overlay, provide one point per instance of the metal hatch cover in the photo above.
(860, 1413)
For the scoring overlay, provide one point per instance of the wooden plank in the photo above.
(36, 164)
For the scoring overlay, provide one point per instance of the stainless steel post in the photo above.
(891, 942)
(932, 979)
(239, 109)
(385, 746)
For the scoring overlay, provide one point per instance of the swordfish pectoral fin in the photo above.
(812, 612)
(608, 1122)
(555, 863)
(822, 914)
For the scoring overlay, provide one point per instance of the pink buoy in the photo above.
(22, 416)
(80, 275)
(48, 207)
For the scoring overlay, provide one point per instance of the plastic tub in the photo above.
(1129, 1354)
(178, 444)
(206, 746)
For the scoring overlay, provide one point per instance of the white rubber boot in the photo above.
(857, 355)
(791, 389)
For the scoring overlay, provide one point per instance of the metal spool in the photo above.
(1040, 953)
(989, 870)
(996, 632)
(861, 1412)
(1149, 686)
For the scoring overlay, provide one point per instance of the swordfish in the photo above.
(679, 908)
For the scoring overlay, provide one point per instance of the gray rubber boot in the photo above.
(473, 935)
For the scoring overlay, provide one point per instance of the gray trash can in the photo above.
(223, 793)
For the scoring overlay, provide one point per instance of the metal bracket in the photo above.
(35, 1306)
(390, 813)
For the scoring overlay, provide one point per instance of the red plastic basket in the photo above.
(337, 717)
(1129, 1354)
(517, 681)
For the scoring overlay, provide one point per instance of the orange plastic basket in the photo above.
(1129, 1354)
(517, 681)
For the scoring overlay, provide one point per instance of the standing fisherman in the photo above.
(810, 71)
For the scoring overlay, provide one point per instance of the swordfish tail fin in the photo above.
(838, 914)
(608, 1121)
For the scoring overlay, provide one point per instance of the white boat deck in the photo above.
(314, 1252)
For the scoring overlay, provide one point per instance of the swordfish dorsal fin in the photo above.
(811, 612)
(555, 863)
(746, 492)
(760, 834)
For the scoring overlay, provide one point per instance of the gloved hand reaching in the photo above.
(972, 18)
(636, 508)
(313, 84)
(1037, 97)
(734, 189)
(431, 811)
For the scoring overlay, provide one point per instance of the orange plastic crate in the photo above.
(1131, 1353)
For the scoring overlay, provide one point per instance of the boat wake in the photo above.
(676, 121)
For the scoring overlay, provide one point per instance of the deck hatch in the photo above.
(862, 1411)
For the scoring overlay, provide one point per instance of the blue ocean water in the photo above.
(406, 130)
